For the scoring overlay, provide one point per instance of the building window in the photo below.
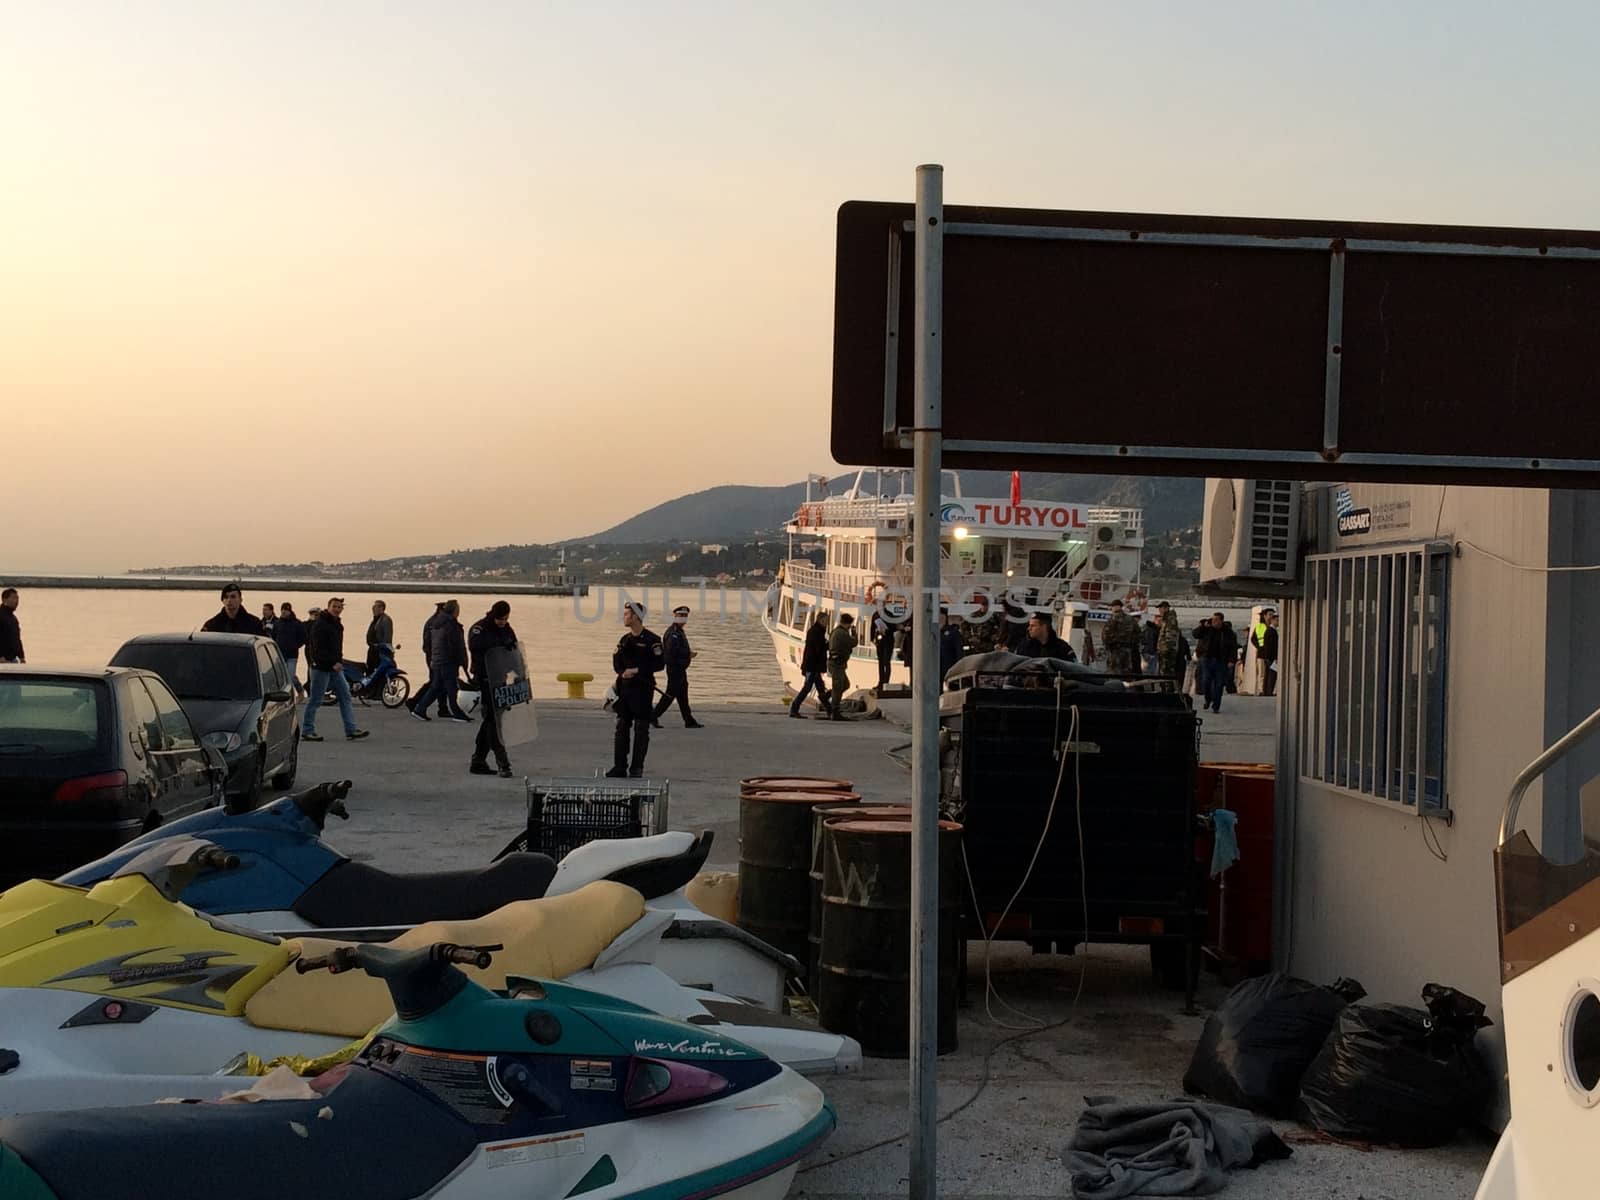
(1373, 662)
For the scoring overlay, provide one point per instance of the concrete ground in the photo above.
(1009, 1100)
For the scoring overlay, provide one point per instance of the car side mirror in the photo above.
(279, 695)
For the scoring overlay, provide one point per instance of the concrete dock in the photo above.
(1011, 1095)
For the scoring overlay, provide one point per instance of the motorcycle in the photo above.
(385, 683)
(121, 993)
(465, 1094)
(291, 883)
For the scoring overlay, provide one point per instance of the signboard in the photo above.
(1181, 345)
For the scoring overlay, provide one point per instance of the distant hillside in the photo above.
(736, 511)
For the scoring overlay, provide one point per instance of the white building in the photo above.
(1435, 648)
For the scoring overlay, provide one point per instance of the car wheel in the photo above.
(258, 784)
(395, 691)
(284, 779)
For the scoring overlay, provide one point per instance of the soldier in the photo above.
(841, 645)
(639, 655)
(675, 647)
(1169, 644)
(1121, 639)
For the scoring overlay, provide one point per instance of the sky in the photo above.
(296, 280)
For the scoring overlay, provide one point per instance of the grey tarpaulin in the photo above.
(510, 692)
(1163, 1148)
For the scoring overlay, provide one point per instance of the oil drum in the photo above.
(792, 783)
(775, 865)
(820, 817)
(865, 969)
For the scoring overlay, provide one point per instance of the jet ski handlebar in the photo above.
(215, 858)
(325, 799)
(384, 962)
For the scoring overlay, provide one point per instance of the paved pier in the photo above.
(1011, 1097)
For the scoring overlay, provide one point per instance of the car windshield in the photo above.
(49, 716)
(195, 670)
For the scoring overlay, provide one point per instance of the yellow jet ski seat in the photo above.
(548, 938)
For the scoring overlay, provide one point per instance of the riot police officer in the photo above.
(639, 655)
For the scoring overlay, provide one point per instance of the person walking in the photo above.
(1265, 637)
(677, 654)
(1169, 645)
(883, 642)
(1214, 660)
(448, 655)
(1151, 646)
(10, 628)
(427, 651)
(494, 632)
(952, 646)
(269, 618)
(326, 656)
(289, 631)
(233, 618)
(841, 645)
(1233, 658)
(1121, 638)
(380, 632)
(637, 658)
(813, 662)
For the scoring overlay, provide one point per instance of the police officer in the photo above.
(492, 633)
(639, 655)
(678, 653)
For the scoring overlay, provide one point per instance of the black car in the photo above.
(236, 689)
(90, 759)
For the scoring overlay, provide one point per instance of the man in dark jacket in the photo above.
(447, 645)
(883, 640)
(813, 664)
(491, 633)
(1265, 637)
(638, 656)
(289, 631)
(1151, 644)
(10, 628)
(677, 655)
(952, 647)
(233, 618)
(1215, 649)
(326, 655)
(380, 632)
(1042, 640)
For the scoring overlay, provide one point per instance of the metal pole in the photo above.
(926, 451)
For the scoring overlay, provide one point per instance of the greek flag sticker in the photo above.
(1342, 502)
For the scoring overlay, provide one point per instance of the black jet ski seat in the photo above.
(354, 894)
(380, 1139)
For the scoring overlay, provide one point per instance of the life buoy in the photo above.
(877, 585)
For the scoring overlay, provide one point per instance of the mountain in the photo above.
(733, 512)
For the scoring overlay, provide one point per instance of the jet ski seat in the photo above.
(543, 939)
(354, 894)
(386, 1141)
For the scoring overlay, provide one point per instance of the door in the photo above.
(277, 715)
(193, 786)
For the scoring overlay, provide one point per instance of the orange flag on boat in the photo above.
(1016, 489)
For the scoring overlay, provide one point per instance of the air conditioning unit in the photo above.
(1251, 530)
(1103, 535)
(1100, 563)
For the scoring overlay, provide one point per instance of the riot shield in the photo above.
(508, 696)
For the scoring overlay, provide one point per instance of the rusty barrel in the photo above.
(775, 865)
(821, 817)
(793, 783)
(864, 979)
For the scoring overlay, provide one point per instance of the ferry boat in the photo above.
(1070, 559)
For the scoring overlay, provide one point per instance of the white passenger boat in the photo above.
(1072, 559)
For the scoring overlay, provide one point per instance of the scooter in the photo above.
(291, 882)
(465, 1094)
(385, 683)
(120, 993)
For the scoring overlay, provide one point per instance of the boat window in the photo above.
(786, 610)
(1372, 711)
(1047, 564)
(994, 558)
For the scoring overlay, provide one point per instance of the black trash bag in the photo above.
(1258, 1043)
(1399, 1075)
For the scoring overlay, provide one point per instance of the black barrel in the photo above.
(775, 865)
(864, 981)
(821, 816)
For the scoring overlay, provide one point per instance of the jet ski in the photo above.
(290, 882)
(122, 994)
(465, 1094)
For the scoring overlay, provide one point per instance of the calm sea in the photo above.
(77, 628)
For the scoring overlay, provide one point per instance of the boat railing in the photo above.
(1128, 518)
(803, 577)
(866, 510)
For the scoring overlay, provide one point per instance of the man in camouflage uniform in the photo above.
(1121, 639)
(1169, 643)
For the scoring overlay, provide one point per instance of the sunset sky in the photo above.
(286, 281)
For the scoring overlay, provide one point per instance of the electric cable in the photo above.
(1523, 566)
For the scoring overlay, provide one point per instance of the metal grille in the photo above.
(564, 814)
(1371, 646)
(1272, 531)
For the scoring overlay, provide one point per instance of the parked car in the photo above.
(90, 759)
(236, 689)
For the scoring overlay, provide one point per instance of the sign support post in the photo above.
(927, 448)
